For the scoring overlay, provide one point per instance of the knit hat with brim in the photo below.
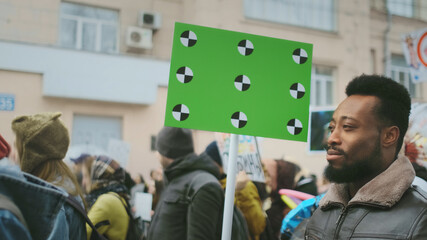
(40, 138)
(174, 142)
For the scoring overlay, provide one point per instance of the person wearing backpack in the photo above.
(191, 204)
(41, 142)
(12, 222)
(108, 199)
(29, 206)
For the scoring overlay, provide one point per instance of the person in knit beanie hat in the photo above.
(39, 138)
(41, 142)
(191, 191)
(174, 142)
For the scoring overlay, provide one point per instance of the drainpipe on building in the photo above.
(387, 54)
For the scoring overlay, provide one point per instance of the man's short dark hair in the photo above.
(395, 102)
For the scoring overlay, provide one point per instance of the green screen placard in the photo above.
(240, 83)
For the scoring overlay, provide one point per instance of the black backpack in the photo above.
(136, 226)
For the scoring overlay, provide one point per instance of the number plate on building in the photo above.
(7, 102)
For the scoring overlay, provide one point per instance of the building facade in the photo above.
(105, 64)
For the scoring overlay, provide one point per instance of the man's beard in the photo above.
(356, 171)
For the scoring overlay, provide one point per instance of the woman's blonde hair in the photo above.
(50, 170)
(86, 173)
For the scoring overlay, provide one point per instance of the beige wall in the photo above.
(29, 21)
(27, 89)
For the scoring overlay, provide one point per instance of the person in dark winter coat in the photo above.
(191, 204)
(372, 196)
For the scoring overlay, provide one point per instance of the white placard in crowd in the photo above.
(143, 203)
(248, 158)
(119, 150)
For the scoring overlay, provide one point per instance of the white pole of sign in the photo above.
(229, 189)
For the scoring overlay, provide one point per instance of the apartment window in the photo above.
(95, 132)
(401, 7)
(321, 86)
(89, 28)
(400, 73)
(305, 13)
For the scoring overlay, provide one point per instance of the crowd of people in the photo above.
(372, 194)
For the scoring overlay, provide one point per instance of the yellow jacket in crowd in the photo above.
(249, 203)
(109, 216)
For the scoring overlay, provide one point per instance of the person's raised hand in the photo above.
(241, 180)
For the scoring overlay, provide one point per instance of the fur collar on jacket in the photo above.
(384, 190)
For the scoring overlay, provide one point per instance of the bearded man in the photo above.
(371, 196)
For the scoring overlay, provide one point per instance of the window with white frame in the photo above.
(401, 7)
(321, 86)
(306, 13)
(400, 72)
(95, 131)
(89, 28)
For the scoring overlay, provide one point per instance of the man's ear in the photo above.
(390, 136)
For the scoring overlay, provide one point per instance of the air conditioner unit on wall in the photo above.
(139, 37)
(151, 20)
